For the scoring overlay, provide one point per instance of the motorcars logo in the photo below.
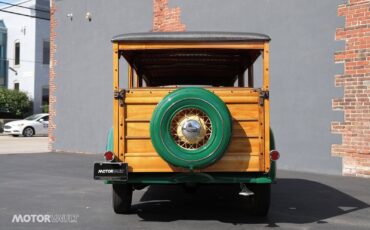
(105, 171)
(45, 218)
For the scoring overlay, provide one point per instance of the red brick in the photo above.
(52, 74)
(355, 129)
(166, 19)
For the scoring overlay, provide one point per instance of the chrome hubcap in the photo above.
(28, 132)
(191, 128)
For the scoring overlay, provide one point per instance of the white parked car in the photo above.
(36, 124)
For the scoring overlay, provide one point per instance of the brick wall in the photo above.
(166, 19)
(52, 87)
(355, 129)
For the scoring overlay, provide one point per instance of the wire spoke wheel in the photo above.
(191, 128)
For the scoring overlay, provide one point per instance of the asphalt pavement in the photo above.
(61, 184)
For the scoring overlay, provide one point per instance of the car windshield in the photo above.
(33, 117)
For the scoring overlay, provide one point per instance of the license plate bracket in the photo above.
(111, 171)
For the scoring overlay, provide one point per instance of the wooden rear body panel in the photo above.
(246, 151)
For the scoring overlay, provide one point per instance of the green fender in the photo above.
(272, 172)
(109, 144)
(198, 98)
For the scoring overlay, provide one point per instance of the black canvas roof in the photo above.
(190, 37)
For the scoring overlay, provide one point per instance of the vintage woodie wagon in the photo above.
(190, 115)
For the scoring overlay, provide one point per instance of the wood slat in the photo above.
(139, 146)
(239, 99)
(233, 92)
(246, 128)
(219, 91)
(137, 120)
(153, 96)
(225, 164)
(138, 129)
(145, 92)
(244, 145)
(190, 45)
(143, 100)
(235, 164)
(237, 145)
(155, 100)
(243, 111)
(150, 164)
(238, 112)
(139, 112)
(240, 129)
(154, 154)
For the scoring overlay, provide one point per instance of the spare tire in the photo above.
(191, 128)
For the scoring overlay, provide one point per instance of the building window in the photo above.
(3, 57)
(16, 86)
(46, 53)
(45, 95)
(17, 53)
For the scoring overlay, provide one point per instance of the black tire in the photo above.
(190, 188)
(28, 132)
(122, 198)
(260, 201)
(15, 135)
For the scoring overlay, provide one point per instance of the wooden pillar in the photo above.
(115, 102)
(265, 87)
(130, 77)
(136, 78)
(250, 77)
(241, 80)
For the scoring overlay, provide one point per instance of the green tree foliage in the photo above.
(14, 103)
(45, 108)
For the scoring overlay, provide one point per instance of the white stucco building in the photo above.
(26, 65)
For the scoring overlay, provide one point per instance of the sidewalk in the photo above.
(12, 145)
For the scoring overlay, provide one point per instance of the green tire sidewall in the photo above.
(191, 97)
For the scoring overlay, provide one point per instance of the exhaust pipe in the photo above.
(245, 191)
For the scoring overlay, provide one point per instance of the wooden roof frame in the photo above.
(121, 46)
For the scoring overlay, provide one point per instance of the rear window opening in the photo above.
(180, 68)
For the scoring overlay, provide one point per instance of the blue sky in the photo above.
(9, 1)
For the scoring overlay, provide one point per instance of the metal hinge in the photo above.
(264, 94)
(120, 95)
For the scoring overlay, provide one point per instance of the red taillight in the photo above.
(274, 155)
(109, 156)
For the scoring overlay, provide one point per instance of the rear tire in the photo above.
(261, 199)
(190, 188)
(122, 198)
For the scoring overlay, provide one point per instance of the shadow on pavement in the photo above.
(293, 201)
